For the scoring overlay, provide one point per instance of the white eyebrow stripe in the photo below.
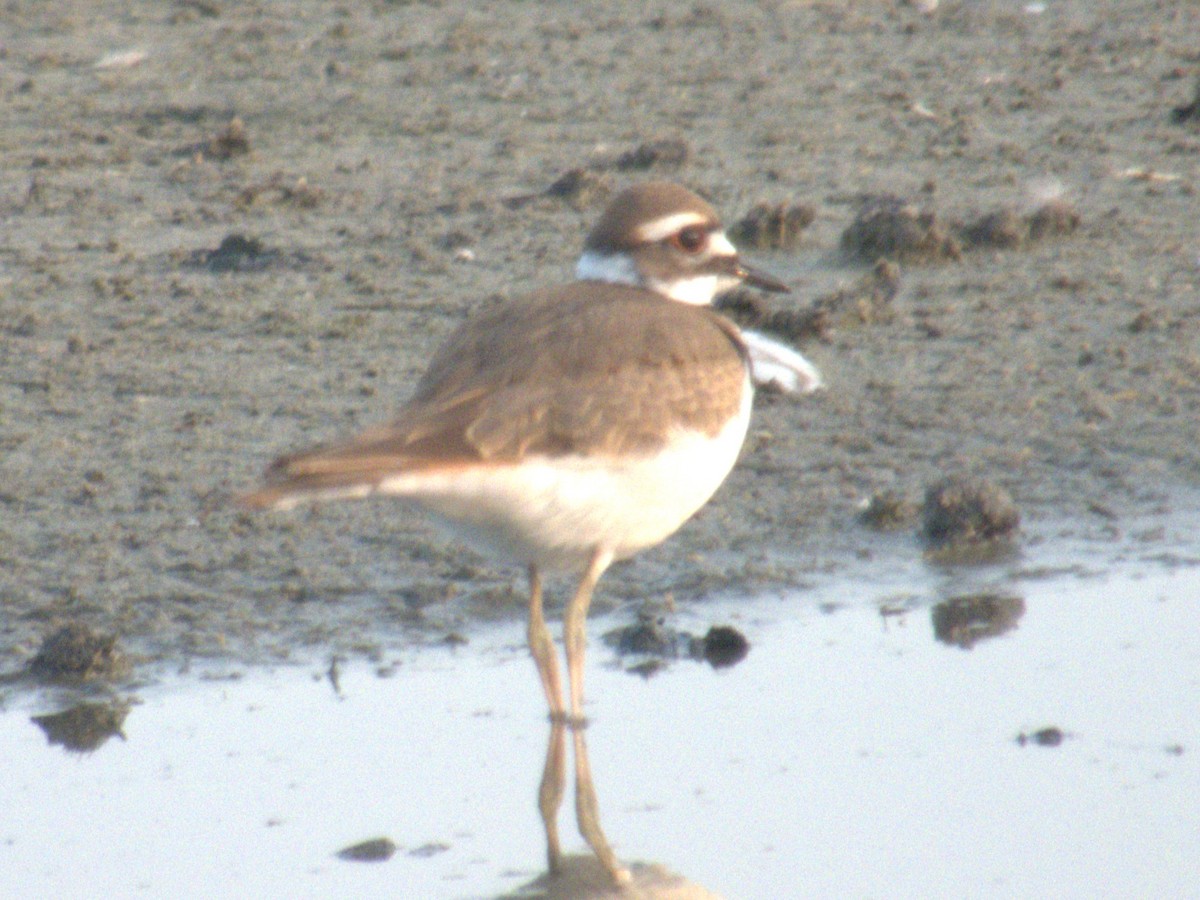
(668, 225)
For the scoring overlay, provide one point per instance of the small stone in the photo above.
(1043, 737)
(722, 647)
(374, 850)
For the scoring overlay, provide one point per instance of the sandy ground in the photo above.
(140, 389)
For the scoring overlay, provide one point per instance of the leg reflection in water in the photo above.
(575, 876)
(587, 810)
(597, 875)
(550, 793)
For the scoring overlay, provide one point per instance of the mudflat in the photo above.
(231, 230)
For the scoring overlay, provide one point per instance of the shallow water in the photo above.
(850, 754)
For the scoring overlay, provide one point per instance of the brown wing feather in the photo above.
(550, 374)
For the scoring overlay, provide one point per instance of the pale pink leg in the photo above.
(587, 810)
(541, 645)
(574, 633)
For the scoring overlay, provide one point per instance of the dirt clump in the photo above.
(76, 653)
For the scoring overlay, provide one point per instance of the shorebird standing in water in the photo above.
(573, 427)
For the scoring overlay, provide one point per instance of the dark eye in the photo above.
(691, 239)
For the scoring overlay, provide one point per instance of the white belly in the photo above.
(555, 511)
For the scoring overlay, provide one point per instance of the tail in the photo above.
(319, 475)
(287, 496)
(420, 440)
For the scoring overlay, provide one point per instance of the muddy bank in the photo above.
(230, 231)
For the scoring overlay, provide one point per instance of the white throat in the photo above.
(619, 268)
(698, 290)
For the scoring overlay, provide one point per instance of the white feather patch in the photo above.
(617, 268)
(773, 362)
(698, 290)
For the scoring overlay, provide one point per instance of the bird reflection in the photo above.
(590, 876)
(587, 807)
(550, 792)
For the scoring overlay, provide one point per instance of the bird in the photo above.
(577, 425)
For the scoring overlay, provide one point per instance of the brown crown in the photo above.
(639, 205)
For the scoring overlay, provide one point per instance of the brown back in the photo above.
(563, 371)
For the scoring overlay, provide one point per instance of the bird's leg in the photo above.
(550, 792)
(554, 775)
(587, 812)
(574, 635)
(541, 645)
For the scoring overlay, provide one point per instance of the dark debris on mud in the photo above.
(892, 228)
(586, 186)
(235, 253)
(905, 231)
(75, 653)
(1006, 229)
(580, 188)
(867, 300)
(657, 642)
(231, 141)
(963, 511)
(772, 226)
(1188, 112)
(889, 511)
(667, 153)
